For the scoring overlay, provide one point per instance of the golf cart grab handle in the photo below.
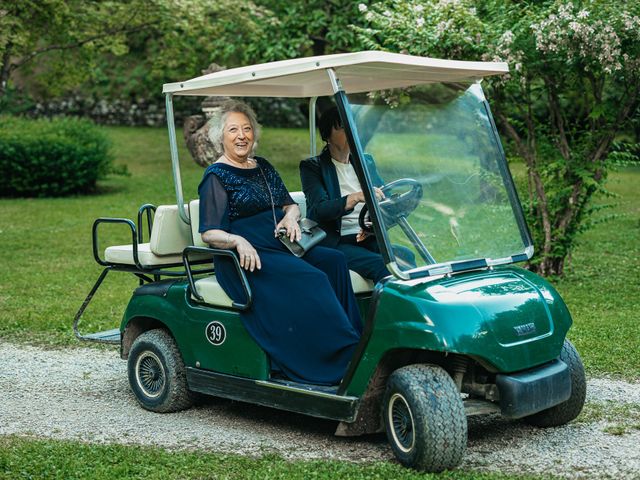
(213, 252)
(146, 208)
(134, 239)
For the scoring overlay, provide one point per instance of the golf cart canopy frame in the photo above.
(339, 75)
(358, 72)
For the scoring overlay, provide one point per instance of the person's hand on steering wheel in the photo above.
(354, 199)
(379, 194)
(399, 198)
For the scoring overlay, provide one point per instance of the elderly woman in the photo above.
(304, 313)
(334, 199)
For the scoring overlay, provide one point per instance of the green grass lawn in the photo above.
(22, 458)
(49, 268)
(602, 286)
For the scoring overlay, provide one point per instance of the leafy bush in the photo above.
(624, 153)
(57, 157)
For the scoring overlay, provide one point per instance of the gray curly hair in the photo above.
(219, 119)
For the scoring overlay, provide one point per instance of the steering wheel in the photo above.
(402, 196)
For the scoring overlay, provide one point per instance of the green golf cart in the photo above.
(456, 330)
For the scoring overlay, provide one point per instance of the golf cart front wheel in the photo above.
(424, 418)
(157, 374)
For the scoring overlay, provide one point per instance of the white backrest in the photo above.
(169, 234)
(299, 198)
(194, 215)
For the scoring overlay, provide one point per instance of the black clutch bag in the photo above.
(311, 235)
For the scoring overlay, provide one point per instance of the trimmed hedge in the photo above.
(51, 157)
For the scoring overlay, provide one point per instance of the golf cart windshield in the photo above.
(449, 197)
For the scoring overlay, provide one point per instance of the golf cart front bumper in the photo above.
(525, 393)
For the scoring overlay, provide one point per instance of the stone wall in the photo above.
(138, 112)
(144, 112)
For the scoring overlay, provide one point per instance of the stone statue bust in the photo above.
(196, 127)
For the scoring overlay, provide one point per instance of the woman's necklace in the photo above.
(248, 163)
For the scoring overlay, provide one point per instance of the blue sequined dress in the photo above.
(304, 313)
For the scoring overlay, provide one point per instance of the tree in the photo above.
(59, 37)
(298, 28)
(61, 44)
(574, 81)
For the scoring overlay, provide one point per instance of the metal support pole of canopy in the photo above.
(313, 149)
(175, 163)
(365, 181)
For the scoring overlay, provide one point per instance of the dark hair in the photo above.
(328, 120)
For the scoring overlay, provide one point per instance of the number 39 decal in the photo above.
(216, 334)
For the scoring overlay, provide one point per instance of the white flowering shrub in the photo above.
(447, 28)
(575, 36)
(573, 84)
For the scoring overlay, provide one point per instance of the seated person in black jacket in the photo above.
(334, 199)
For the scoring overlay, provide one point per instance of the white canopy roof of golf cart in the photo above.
(358, 72)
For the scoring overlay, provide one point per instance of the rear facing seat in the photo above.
(169, 237)
(209, 288)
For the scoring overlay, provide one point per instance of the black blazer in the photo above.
(320, 185)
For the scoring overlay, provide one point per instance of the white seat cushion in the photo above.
(123, 255)
(169, 237)
(194, 216)
(359, 283)
(212, 292)
(300, 199)
(169, 234)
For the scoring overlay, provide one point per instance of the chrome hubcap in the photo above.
(150, 374)
(401, 422)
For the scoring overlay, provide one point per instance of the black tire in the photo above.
(157, 374)
(424, 418)
(566, 411)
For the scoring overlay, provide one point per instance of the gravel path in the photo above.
(83, 394)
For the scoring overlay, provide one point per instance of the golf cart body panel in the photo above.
(508, 319)
(235, 354)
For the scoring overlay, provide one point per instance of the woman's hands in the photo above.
(358, 197)
(290, 222)
(248, 256)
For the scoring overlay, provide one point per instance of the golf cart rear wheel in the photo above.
(157, 374)
(566, 411)
(424, 418)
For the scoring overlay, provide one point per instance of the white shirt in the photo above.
(349, 183)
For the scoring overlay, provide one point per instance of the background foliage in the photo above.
(118, 48)
(573, 86)
(51, 157)
(572, 90)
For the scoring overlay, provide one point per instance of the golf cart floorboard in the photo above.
(314, 400)
(330, 389)
(107, 336)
